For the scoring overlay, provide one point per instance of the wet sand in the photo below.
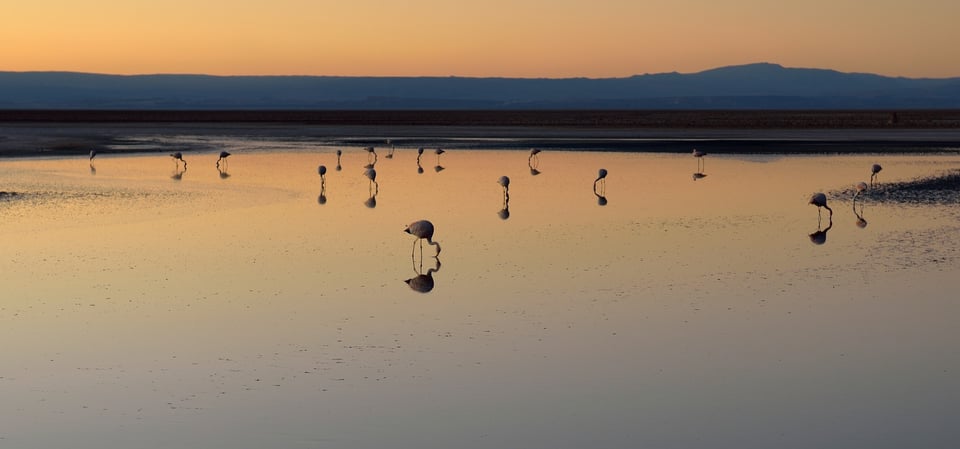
(31, 133)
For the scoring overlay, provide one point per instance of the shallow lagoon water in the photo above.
(148, 307)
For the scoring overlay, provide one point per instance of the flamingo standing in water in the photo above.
(601, 179)
(422, 230)
(699, 155)
(873, 172)
(339, 153)
(819, 199)
(371, 153)
(439, 152)
(223, 157)
(505, 183)
(178, 157)
(322, 170)
(534, 155)
(93, 154)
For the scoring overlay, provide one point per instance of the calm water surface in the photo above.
(146, 306)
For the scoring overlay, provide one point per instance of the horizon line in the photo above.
(770, 64)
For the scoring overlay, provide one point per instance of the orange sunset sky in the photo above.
(508, 38)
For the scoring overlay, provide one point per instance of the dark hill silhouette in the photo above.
(752, 86)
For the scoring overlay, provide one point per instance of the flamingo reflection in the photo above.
(820, 236)
(419, 155)
(223, 172)
(423, 282)
(392, 148)
(601, 200)
(698, 176)
(178, 172)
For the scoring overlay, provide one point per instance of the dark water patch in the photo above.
(943, 188)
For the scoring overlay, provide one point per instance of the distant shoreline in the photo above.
(583, 119)
(69, 132)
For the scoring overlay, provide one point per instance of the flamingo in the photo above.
(178, 157)
(602, 179)
(322, 170)
(93, 154)
(371, 152)
(534, 155)
(223, 157)
(505, 183)
(819, 199)
(873, 172)
(371, 174)
(339, 153)
(439, 152)
(422, 230)
(392, 147)
(699, 155)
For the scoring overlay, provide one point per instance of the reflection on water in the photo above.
(178, 172)
(819, 237)
(241, 315)
(423, 281)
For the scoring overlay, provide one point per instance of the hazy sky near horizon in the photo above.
(509, 38)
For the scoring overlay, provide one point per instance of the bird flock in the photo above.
(424, 229)
(819, 199)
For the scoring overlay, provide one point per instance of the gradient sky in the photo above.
(510, 38)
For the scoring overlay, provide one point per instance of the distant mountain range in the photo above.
(752, 86)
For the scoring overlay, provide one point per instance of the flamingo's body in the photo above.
(178, 157)
(93, 154)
